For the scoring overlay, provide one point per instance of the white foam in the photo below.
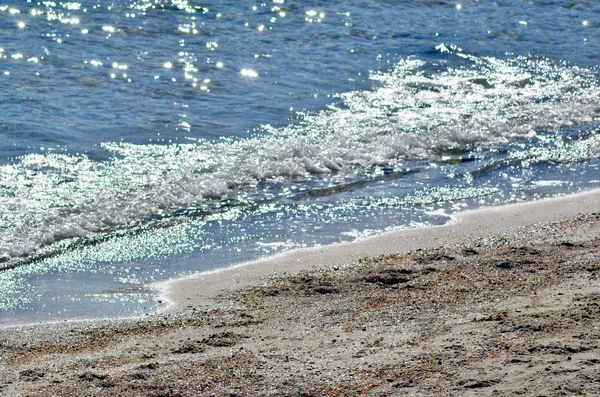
(420, 110)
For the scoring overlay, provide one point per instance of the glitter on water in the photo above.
(145, 140)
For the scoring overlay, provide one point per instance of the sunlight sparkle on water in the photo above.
(314, 16)
(249, 73)
(408, 148)
(71, 21)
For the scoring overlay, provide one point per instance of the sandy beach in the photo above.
(503, 302)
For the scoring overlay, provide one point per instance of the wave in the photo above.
(418, 110)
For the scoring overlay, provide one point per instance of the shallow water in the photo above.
(144, 140)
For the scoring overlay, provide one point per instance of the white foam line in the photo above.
(469, 226)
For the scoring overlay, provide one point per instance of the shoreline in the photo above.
(504, 302)
(466, 226)
(482, 222)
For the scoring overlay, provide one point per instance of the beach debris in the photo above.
(190, 348)
(223, 339)
(469, 251)
(325, 288)
(504, 265)
(151, 366)
(31, 375)
(389, 276)
(477, 384)
(92, 376)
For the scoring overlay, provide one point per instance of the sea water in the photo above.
(143, 140)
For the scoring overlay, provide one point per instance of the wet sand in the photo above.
(504, 302)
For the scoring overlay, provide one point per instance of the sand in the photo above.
(506, 301)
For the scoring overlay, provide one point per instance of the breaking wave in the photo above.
(420, 109)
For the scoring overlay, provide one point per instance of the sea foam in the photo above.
(419, 109)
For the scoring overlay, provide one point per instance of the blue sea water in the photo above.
(143, 140)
